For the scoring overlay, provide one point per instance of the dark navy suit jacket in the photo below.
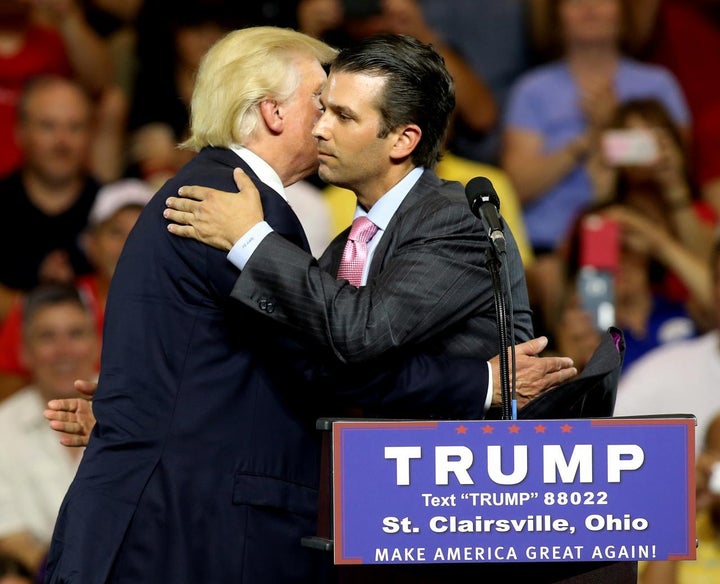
(200, 469)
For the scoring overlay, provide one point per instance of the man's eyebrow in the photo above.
(341, 109)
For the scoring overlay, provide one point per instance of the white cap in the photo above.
(116, 195)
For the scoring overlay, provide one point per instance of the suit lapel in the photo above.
(426, 185)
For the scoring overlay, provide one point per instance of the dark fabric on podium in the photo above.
(592, 393)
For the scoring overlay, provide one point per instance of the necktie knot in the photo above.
(352, 263)
(362, 230)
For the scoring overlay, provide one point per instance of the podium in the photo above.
(610, 572)
(590, 395)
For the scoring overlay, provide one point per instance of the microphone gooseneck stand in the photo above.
(506, 334)
(485, 205)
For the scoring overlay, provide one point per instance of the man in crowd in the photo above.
(51, 193)
(59, 344)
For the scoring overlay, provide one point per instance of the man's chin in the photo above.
(325, 174)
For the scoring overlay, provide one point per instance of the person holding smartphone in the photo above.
(555, 115)
(663, 239)
(645, 163)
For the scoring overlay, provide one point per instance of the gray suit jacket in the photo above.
(428, 288)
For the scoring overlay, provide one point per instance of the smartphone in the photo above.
(599, 242)
(354, 9)
(636, 147)
(599, 256)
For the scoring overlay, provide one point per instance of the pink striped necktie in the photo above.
(355, 255)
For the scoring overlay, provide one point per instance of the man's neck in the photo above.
(371, 193)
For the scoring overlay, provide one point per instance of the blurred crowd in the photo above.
(598, 122)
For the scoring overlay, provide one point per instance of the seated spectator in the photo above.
(60, 345)
(678, 378)
(557, 111)
(50, 196)
(53, 38)
(114, 213)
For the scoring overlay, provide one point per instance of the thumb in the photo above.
(532, 347)
(240, 178)
(87, 388)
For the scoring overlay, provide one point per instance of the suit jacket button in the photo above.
(270, 307)
(262, 303)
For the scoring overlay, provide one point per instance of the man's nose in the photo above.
(318, 130)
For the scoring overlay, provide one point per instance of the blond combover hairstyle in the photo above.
(240, 71)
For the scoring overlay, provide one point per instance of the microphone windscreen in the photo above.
(480, 188)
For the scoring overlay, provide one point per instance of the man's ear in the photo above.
(406, 141)
(272, 115)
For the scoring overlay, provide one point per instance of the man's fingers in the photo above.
(557, 363)
(538, 374)
(195, 193)
(543, 384)
(61, 405)
(70, 440)
(553, 370)
(557, 377)
(183, 230)
(179, 217)
(182, 205)
(66, 427)
(60, 417)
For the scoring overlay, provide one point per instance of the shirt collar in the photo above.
(261, 168)
(382, 212)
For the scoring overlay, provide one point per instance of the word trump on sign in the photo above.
(456, 461)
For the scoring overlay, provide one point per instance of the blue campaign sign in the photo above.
(609, 489)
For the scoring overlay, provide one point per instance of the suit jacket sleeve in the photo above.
(421, 386)
(407, 385)
(428, 277)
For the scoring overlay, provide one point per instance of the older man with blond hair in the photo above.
(201, 468)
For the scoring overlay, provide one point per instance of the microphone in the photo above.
(485, 205)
